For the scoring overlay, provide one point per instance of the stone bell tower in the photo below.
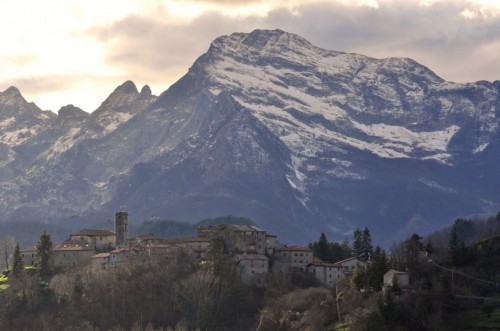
(121, 227)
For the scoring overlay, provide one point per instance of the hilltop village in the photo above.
(238, 277)
(251, 250)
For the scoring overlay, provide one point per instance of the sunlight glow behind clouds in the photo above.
(59, 52)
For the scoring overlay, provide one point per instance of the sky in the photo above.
(60, 52)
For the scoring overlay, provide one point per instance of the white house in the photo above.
(350, 264)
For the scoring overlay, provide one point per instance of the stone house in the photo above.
(100, 240)
(29, 256)
(252, 268)
(238, 239)
(293, 257)
(196, 247)
(270, 244)
(100, 261)
(329, 274)
(71, 255)
(127, 256)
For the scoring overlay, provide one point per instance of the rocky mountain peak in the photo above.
(146, 91)
(123, 95)
(12, 91)
(127, 87)
(70, 115)
(12, 96)
(261, 46)
(72, 112)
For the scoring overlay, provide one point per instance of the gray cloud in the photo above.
(159, 50)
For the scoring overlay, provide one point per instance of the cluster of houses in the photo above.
(251, 249)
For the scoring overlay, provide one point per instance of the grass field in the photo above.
(3, 282)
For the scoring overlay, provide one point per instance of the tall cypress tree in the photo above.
(44, 255)
(17, 265)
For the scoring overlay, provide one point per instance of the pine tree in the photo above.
(377, 269)
(454, 246)
(44, 255)
(357, 246)
(322, 247)
(346, 249)
(366, 243)
(17, 265)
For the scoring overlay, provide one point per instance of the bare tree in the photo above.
(7, 246)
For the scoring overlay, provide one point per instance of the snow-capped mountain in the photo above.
(268, 126)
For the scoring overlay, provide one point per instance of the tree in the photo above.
(376, 271)
(330, 251)
(322, 247)
(357, 246)
(367, 248)
(7, 248)
(460, 254)
(362, 246)
(17, 265)
(487, 308)
(44, 255)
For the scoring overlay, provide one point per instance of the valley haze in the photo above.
(265, 125)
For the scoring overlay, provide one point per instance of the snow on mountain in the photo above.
(284, 75)
(268, 126)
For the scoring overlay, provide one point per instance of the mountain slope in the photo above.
(268, 126)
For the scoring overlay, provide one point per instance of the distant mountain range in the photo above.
(264, 125)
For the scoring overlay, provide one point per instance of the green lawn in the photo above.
(475, 320)
(3, 282)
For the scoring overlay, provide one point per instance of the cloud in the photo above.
(84, 91)
(158, 49)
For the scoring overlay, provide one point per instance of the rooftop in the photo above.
(294, 248)
(320, 263)
(93, 233)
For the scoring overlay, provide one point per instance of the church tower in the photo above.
(121, 227)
